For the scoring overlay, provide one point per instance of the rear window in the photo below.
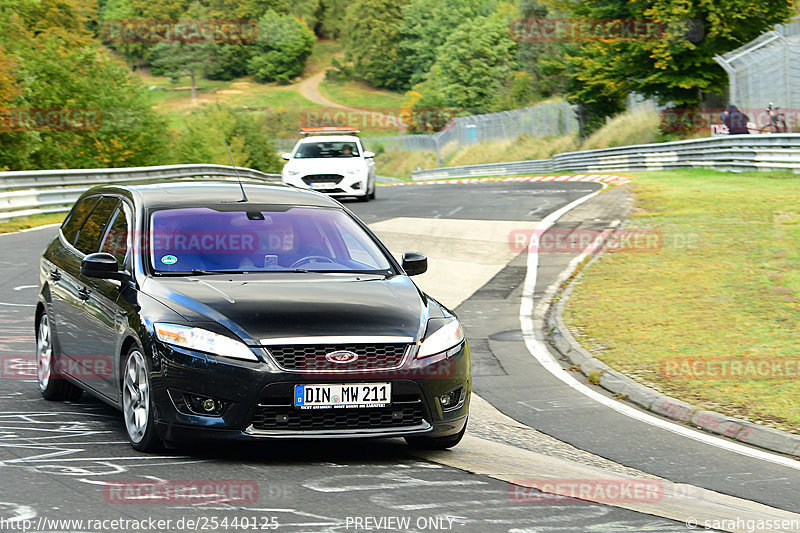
(298, 238)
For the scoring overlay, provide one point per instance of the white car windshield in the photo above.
(315, 150)
(202, 239)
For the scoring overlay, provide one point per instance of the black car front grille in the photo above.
(405, 411)
(311, 357)
(322, 178)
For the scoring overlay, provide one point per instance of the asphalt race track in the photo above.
(59, 460)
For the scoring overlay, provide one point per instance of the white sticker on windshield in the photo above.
(169, 259)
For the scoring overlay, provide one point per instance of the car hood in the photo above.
(328, 165)
(297, 304)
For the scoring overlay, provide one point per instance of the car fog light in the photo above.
(357, 185)
(451, 399)
(203, 405)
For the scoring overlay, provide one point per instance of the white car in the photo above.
(334, 164)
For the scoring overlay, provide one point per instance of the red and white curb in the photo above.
(600, 178)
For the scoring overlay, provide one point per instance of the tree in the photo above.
(426, 25)
(176, 59)
(55, 66)
(372, 42)
(282, 48)
(472, 65)
(677, 65)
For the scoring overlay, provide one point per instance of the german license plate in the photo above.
(323, 186)
(342, 396)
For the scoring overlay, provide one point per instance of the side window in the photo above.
(76, 217)
(115, 240)
(89, 235)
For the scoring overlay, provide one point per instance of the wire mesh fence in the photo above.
(541, 120)
(767, 70)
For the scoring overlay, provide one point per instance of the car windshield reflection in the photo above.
(201, 240)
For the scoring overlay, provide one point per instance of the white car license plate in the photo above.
(341, 396)
(323, 186)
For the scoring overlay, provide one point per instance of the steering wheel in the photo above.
(312, 259)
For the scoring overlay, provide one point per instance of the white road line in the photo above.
(537, 348)
(18, 305)
(20, 287)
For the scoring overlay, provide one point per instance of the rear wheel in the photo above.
(436, 443)
(52, 385)
(137, 405)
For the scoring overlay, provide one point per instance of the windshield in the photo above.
(201, 239)
(312, 150)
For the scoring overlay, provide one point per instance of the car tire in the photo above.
(52, 385)
(436, 443)
(364, 197)
(137, 403)
(372, 194)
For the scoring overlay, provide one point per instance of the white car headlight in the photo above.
(203, 341)
(443, 339)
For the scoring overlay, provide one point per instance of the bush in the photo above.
(282, 48)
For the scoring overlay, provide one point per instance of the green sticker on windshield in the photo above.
(169, 259)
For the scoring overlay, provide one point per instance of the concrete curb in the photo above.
(562, 340)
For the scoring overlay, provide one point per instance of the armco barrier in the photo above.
(48, 191)
(733, 153)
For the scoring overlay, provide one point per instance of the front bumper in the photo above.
(349, 185)
(257, 399)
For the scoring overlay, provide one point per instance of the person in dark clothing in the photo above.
(735, 120)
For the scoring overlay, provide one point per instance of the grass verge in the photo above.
(724, 286)
(20, 223)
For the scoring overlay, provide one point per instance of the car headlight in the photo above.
(445, 339)
(204, 341)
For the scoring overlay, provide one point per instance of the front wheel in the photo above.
(137, 406)
(52, 385)
(372, 194)
(436, 443)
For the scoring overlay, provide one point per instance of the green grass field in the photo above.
(725, 286)
(16, 224)
(361, 96)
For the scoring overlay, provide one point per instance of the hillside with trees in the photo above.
(96, 59)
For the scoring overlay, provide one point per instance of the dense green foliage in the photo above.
(50, 66)
(675, 68)
(284, 43)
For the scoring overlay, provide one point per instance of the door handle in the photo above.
(55, 275)
(83, 294)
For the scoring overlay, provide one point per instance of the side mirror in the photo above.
(414, 263)
(102, 265)
(287, 156)
(369, 155)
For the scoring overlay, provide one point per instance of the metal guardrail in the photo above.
(734, 153)
(32, 192)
